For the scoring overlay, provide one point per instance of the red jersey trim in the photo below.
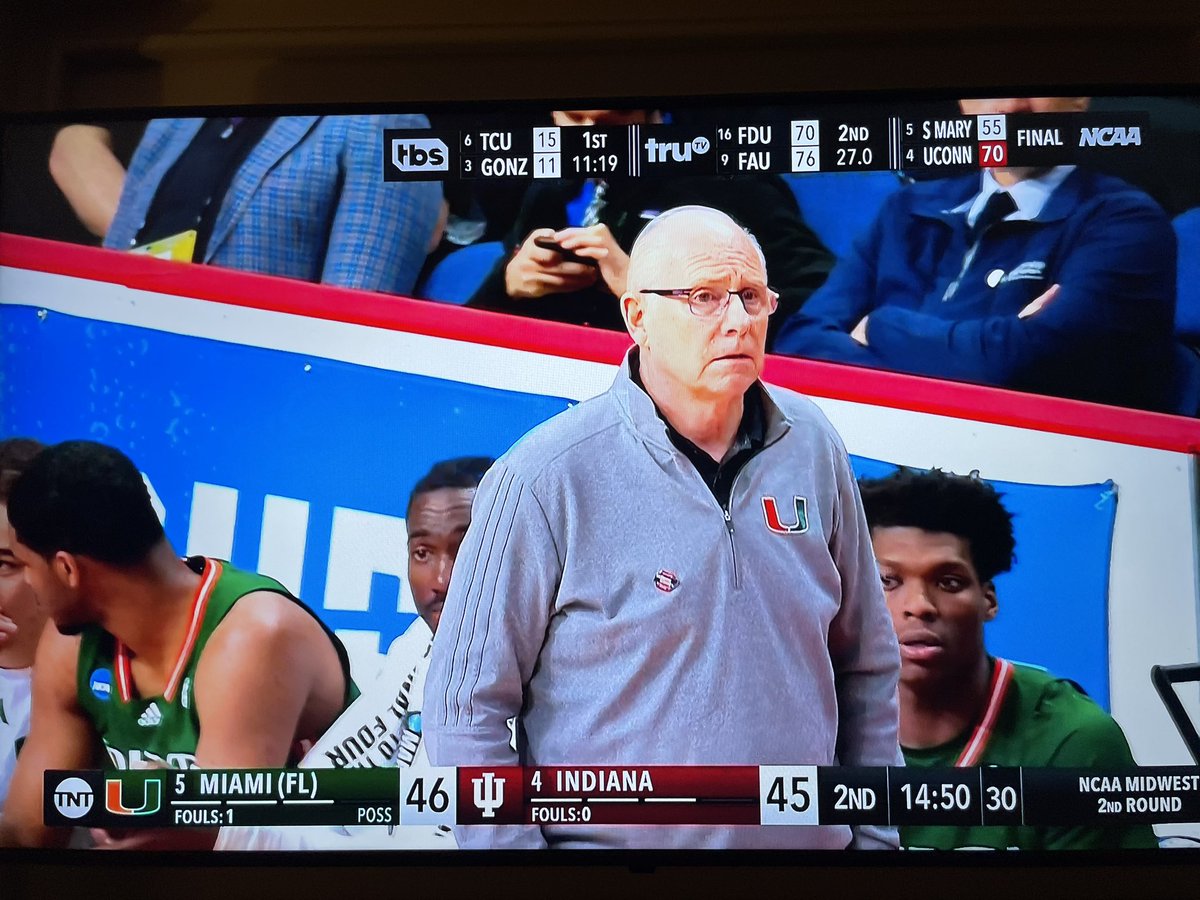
(1002, 674)
(208, 580)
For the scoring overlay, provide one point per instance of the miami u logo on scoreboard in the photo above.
(776, 524)
(114, 800)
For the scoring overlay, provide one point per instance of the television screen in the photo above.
(793, 474)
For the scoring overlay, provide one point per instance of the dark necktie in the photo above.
(999, 205)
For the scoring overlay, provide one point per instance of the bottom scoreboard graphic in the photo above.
(622, 795)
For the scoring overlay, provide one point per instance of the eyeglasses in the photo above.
(709, 302)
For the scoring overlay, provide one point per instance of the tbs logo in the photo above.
(420, 155)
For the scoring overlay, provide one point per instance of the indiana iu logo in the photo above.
(489, 794)
(151, 798)
(771, 512)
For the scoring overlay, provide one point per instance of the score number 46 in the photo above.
(429, 797)
(788, 795)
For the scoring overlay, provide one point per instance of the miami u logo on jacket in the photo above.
(776, 524)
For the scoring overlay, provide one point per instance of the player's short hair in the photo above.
(84, 498)
(963, 505)
(15, 456)
(462, 472)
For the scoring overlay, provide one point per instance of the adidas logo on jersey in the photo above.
(150, 717)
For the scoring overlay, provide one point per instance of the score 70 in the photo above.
(993, 154)
(787, 795)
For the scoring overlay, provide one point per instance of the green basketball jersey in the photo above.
(142, 732)
(1043, 721)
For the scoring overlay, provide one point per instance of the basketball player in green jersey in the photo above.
(940, 539)
(154, 660)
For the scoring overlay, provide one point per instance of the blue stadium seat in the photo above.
(839, 206)
(460, 274)
(1187, 303)
(1185, 387)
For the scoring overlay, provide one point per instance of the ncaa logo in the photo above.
(100, 683)
(420, 155)
(73, 798)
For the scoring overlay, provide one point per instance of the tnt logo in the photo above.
(664, 151)
(73, 798)
(420, 155)
(1110, 137)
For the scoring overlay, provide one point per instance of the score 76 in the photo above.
(787, 795)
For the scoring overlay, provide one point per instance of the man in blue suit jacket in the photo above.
(305, 198)
(1065, 285)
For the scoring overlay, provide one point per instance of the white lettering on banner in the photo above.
(284, 535)
(363, 649)
(210, 528)
(361, 544)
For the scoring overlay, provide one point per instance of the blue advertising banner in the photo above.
(301, 467)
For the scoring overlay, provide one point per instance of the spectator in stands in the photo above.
(1054, 280)
(940, 540)
(298, 196)
(88, 172)
(21, 621)
(599, 220)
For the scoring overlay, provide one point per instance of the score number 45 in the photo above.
(787, 795)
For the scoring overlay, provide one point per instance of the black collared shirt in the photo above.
(750, 437)
(192, 190)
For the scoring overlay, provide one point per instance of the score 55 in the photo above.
(787, 795)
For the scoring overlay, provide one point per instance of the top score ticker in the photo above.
(846, 143)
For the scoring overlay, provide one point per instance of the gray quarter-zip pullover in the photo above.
(604, 597)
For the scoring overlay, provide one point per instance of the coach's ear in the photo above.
(633, 310)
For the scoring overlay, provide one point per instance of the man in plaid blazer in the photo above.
(308, 201)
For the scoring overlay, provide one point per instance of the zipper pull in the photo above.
(728, 519)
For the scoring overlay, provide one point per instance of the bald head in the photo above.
(685, 232)
(707, 359)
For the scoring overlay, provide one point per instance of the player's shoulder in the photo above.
(264, 618)
(1060, 704)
